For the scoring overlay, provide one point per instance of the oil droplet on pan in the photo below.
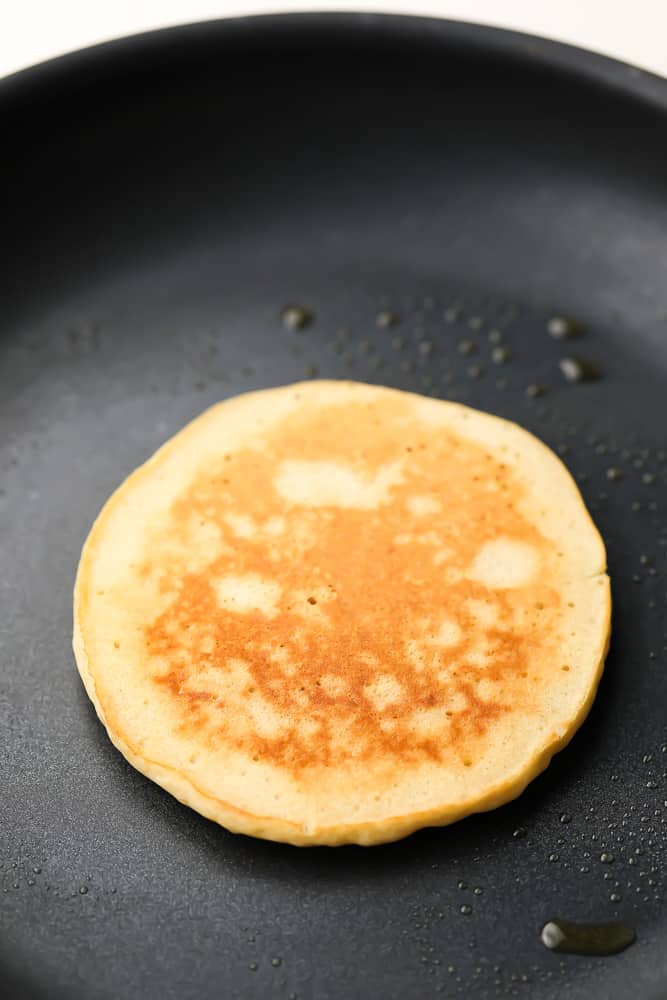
(586, 939)
(578, 370)
(562, 327)
(500, 355)
(296, 317)
(385, 318)
(467, 346)
(614, 472)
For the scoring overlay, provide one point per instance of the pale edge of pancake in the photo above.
(274, 828)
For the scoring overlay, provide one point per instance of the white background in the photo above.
(633, 30)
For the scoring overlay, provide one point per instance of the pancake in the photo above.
(334, 613)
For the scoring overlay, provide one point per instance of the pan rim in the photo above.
(523, 47)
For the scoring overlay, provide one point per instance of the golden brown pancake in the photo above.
(332, 613)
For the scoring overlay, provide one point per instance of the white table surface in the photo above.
(633, 30)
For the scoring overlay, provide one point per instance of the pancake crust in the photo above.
(331, 613)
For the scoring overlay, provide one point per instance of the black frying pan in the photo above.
(168, 195)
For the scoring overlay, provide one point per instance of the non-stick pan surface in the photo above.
(166, 197)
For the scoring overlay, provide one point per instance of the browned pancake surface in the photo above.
(363, 630)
